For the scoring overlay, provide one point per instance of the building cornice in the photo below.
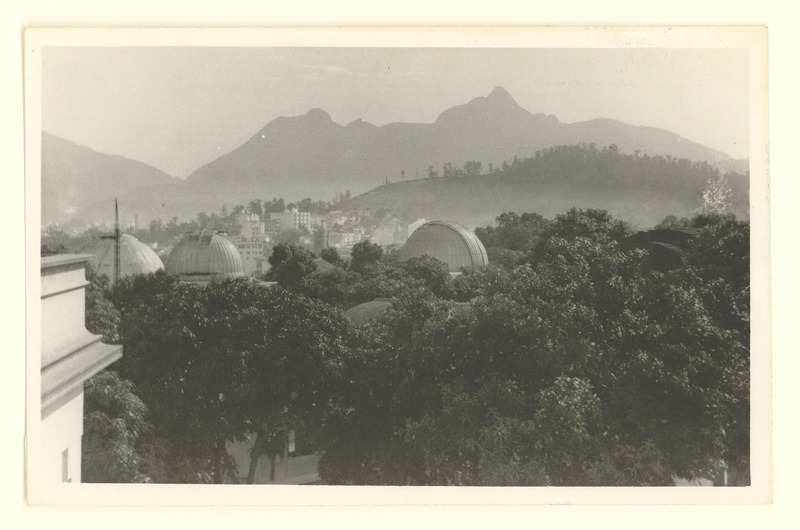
(68, 373)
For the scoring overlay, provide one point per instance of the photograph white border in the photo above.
(752, 38)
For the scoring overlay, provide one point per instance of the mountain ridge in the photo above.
(310, 155)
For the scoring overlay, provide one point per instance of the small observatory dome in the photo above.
(203, 256)
(368, 311)
(452, 243)
(134, 257)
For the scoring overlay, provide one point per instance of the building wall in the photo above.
(303, 219)
(254, 255)
(252, 226)
(70, 356)
(384, 235)
(62, 430)
(295, 219)
(284, 219)
(63, 308)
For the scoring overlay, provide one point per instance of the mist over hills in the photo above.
(312, 156)
(75, 177)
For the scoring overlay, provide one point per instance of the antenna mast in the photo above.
(116, 242)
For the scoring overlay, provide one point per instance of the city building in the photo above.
(452, 243)
(302, 219)
(254, 255)
(388, 232)
(292, 219)
(285, 219)
(317, 221)
(134, 257)
(253, 243)
(252, 226)
(70, 356)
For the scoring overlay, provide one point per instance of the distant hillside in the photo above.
(312, 156)
(74, 177)
(641, 190)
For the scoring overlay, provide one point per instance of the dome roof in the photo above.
(134, 257)
(452, 243)
(205, 255)
(324, 266)
(368, 310)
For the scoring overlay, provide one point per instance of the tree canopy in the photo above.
(580, 365)
(215, 364)
(573, 361)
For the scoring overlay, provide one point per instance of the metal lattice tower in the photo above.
(117, 236)
(116, 242)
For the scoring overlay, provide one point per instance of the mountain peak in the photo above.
(498, 105)
(318, 115)
(501, 95)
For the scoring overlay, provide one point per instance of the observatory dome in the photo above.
(205, 255)
(134, 257)
(452, 243)
(368, 311)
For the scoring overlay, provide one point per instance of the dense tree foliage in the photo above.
(119, 443)
(571, 360)
(101, 316)
(215, 364)
(365, 255)
(331, 255)
(290, 263)
(579, 366)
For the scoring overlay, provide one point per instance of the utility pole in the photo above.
(116, 237)
(116, 242)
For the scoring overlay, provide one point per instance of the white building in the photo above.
(254, 254)
(253, 243)
(70, 356)
(296, 219)
(252, 226)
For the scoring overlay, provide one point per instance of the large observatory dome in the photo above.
(134, 257)
(452, 243)
(205, 255)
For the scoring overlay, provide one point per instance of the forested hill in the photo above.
(641, 190)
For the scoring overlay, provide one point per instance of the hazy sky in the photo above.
(178, 108)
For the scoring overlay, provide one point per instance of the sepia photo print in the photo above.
(418, 257)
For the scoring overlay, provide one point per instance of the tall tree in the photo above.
(216, 364)
(255, 206)
(290, 263)
(364, 255)
(119, 444)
